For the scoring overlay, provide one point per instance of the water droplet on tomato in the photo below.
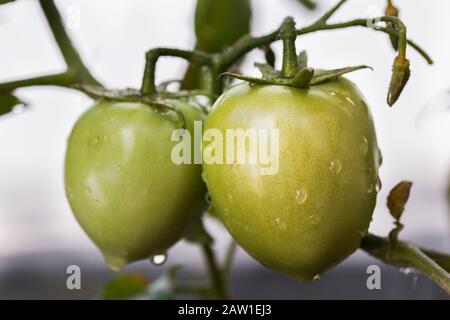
(378, 185)
(205, 176)
(350, 100)
(208, 198)
(301, 195)
(364, 145)
(380, 157)
(371, 188)
(115, 263)
(280, 223)
(159, 259)
(336, 166)
(316, 277)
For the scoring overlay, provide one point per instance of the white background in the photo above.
(113, 35)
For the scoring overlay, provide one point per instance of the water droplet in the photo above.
(208, 198)
(364, 145)
(371, 188)
(159, 259)
(69, 194)
(378, 185)
(333, 93)
(115, 263)
(405, 270)
(380, 157)
(350, 100)
(301, 195)
(316, 277)
(280, 223)
(18, 109)
(205, 176)
(336, 166)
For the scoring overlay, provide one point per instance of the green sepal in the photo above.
(328, 75)
(268, 72)
(132, 95)
(303, 78)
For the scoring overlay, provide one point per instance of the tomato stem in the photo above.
(288, 34)
(433, 265)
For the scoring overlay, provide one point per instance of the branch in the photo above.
(408, 255)
(218, 283)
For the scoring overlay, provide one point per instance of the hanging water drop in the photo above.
(159, 259)
(301, 195)
(378, 185)
(336, 166)
(115, 263)
(205, 177)
(364, 145)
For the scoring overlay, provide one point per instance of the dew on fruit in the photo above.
(115, 263)
(371, 188)
(336, 166)
(158, 259)
(350, 100)
(301, 195)
(205, 176)
(405, 270)
(380, 157)
(364, 145)
(316, 277)
(378, 185)
(333, 93)
(208, 198)
(280, 223)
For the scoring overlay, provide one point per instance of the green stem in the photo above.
(152, 56)
(248, 43)
(217, 280)
(229, 258)
(408, 255)
(288, 34)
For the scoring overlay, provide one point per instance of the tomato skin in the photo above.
(314, 212)
(122, 186)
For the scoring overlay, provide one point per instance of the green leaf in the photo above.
(327, 75)
(8, 102)
(397, 199)
(126, 286)
(198, 234)
(162, 288)
(302, 60)
(267, 71)
(5, 1)
(252, 80)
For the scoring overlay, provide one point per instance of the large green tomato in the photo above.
(122, 185)
(315, 210)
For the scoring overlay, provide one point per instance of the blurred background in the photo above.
(39, 236)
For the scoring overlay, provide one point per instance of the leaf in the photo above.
(8, 102)
(268, 72)
(162, 288)
(327, 75)
(126, 286)
(246, 78)
(5, 1)
(198, 234)
(303, 78)
(302, 60)
(397, 199)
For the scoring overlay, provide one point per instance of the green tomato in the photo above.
(315, 210)
(122, 185)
